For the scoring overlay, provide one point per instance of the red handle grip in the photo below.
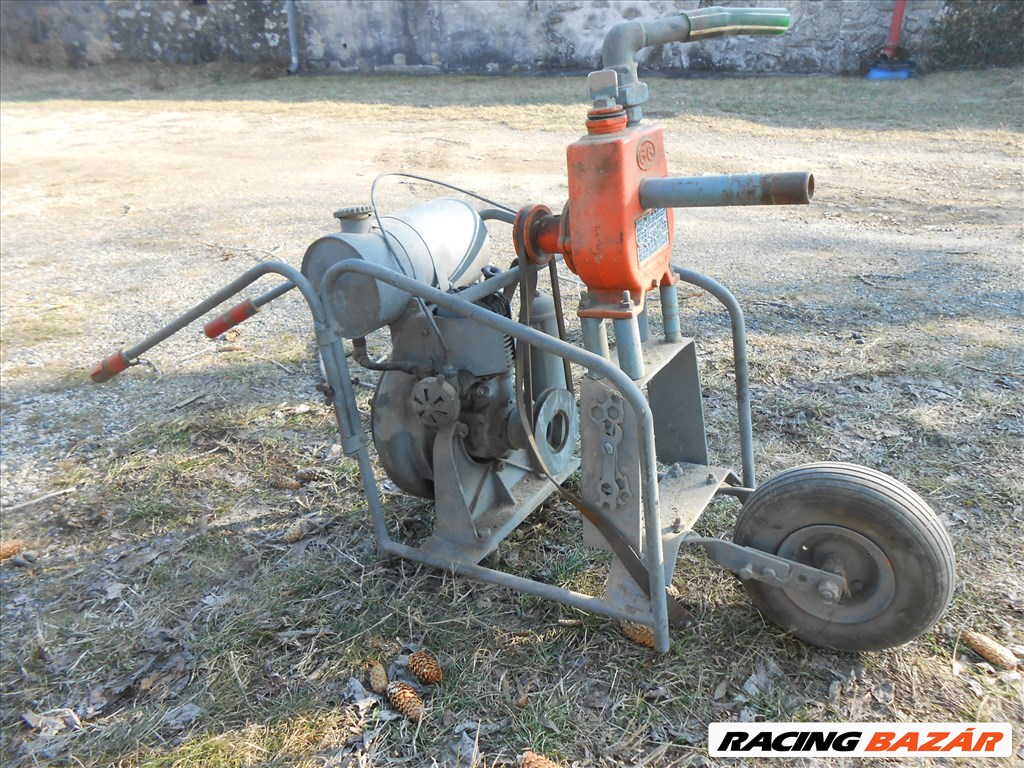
(107, 369)
(230, 319)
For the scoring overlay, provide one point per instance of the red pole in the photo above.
(894, 29)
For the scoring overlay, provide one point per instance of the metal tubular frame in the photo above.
(353, 437)
(740, 365)
(458, 303)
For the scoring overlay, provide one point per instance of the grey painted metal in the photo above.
(442, 242)
(293, 35)
(498, 214)
(546, 370)
(631, 393)
(670, 312)
(218, 298)
(795, 188)
(627, 347)
(590, 603)
(642, 323)
(740, 365)
(610, 464)
(850, 556)
(595, 340)
(674, 393)
(685, 490)
(556, 427)
(478, 506)
(753, 564)
(274, 293)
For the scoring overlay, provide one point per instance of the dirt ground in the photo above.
(166, 609)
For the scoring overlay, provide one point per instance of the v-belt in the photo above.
(624, 551)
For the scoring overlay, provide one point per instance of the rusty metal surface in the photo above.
(732, 189)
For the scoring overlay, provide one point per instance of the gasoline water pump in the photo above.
(484, 407)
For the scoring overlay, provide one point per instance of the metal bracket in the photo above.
(752, 564)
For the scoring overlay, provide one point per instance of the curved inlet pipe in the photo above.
(293, 35)
(732, 189)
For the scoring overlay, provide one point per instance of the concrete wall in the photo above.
(828, 36)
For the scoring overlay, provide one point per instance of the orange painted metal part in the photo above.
(610, 240)
(237, 314)
(108, 368)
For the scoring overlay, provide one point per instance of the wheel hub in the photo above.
(871, 583)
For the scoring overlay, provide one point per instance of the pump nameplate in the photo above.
(651, 233)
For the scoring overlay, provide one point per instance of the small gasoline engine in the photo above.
(488, 414)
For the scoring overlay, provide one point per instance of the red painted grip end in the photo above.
(230, 319)
(107, 369)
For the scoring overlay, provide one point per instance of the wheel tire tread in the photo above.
(914, 519)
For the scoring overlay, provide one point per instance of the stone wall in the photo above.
(826, 36)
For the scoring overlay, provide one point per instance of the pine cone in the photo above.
(404, 698)
(296, 532)
(425, 667)
(533, 760)
(989, 649)
(284, 483)
(640, 634)
(10, 548)
(378, 677)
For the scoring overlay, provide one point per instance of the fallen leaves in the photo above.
(157, 676)
(52, 722)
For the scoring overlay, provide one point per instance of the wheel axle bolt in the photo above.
(828, 591)
(768, 572)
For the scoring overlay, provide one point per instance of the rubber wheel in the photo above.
(894, 552)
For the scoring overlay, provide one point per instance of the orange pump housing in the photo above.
(611, 241)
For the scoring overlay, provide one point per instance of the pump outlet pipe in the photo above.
(731, 189)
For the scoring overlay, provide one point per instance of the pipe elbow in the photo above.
(622, 43)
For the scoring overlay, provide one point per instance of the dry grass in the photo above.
(169, 622)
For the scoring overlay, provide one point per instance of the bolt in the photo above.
(828, 591)
(711, 478)
(461, 429)
(747, 571)
(677, 525)
(768, 573)
(627, 301)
